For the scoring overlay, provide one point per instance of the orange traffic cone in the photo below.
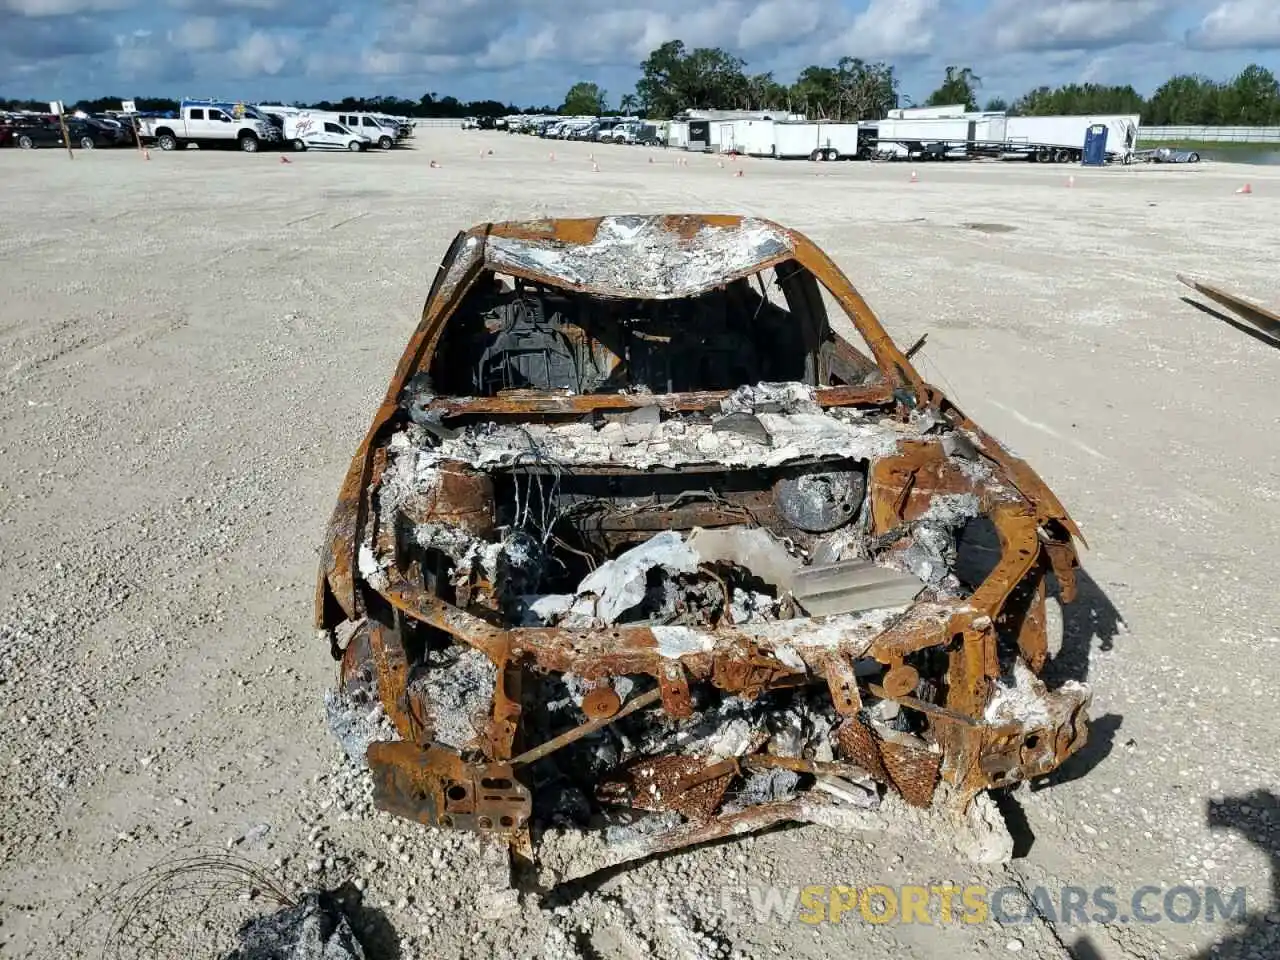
(1071, 181)
(1247, 188)
(595, 167)
(551, 156)
(146, 154)
(914, 178)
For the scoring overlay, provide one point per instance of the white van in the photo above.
(306, 131)
(379, 132)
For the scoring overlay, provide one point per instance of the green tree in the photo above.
(997, 105)
(960, 85)
(1184, 99)
(866, 91)
(1251, 98)
(629, 103)
(673, 80)
(586, 99)
(763, 92)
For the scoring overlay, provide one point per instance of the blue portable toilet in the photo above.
(1095, 145)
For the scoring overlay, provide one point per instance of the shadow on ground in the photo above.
(1255, 936)
(1231, 321)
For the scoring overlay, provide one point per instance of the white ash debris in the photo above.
(411, 472)
(638, 256)
(1022, 697)
(791, 397)
(931, 556)
(371, 568)
(670, 443)
(617, 585)
(749, 606)
(458, 683)
(764, 786)
(354, 725)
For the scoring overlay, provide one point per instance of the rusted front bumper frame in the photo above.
(432, 784)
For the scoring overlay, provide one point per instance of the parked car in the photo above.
(642, 538)
(83, 134)
(645, 134)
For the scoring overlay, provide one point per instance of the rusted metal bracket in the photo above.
(434, 786)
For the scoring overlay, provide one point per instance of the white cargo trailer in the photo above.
(927, 113)
(816, 140)
(1062, 138)
(751, 137)
(678, 134)
(925, 130)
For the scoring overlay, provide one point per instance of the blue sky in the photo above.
(530, 51)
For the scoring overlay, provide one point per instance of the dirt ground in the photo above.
(192, 346)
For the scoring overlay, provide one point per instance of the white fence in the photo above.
(1212, 134)
(443, 122)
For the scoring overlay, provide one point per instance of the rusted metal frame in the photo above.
(434, 786)
(338, 563)
(972, 663)
(1031, 633)
(549, 747)
(391, 667)
(1025, 480)
(893, 363)
(577, 404)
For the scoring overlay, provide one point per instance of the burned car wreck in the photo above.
(639, 546)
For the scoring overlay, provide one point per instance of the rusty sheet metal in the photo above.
(1261, 318)
(904, 762)
(462, 497)
(692, 786)
(433, 786)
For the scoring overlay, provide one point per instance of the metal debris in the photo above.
(643, 554)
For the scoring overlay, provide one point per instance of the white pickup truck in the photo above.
(209, 124)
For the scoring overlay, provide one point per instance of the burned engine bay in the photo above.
(670, 569)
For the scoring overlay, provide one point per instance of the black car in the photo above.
(85, 134)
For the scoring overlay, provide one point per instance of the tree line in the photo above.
(673, 78)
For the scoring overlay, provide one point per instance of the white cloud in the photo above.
(197, 33)
(264, 53)
(1074, 24)
(785, 21)
(888, 29)
(1239, 25)
(61, 8)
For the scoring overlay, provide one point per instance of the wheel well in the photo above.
(161, 131)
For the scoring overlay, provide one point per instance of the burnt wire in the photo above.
(180, 902)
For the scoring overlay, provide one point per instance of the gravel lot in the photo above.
(192, 347)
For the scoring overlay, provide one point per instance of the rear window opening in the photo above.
(512, 334)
